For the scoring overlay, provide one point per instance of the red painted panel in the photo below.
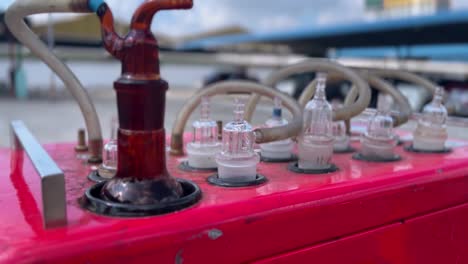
(289, 212)
(381, 245)
(440, 237)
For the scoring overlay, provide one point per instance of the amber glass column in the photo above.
(141, 177)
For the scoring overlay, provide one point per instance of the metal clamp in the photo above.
(54, 210)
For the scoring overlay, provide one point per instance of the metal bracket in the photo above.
(54, 211)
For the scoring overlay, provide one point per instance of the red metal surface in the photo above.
(290, 213)
(439, 237)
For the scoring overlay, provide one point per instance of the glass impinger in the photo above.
(237, 160)
(316, 141)
(431, 132)
(379, 140)
(205, 145)
(278, 149)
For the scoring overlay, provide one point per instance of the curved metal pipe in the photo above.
(262, 135)
(14, 19)
(313, 65)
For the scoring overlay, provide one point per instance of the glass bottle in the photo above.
(237, 160)
(316, 140)
(379, 140)
(431, 131)
(278, 149)
(341, 138)
(110, 157)
(205, 145)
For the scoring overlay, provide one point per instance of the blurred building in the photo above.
(85, 30)
(400, 8)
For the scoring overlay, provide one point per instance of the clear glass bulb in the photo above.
(435, 113)
(431, 131)
(204, 146)
(110, 159)
(205, 129)
(237, 160)
(316, 141)
(340, 136)
(379, 140)
(278, 149)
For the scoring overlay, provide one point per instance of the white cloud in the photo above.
(280, 22)
(459, 4)
(255, 15)
(200, 18)
(5, 3)
(122, 9)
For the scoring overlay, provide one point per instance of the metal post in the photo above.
(51, 45)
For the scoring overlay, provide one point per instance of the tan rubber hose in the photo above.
(383, 86)
(315, 65)
(14, 19)
(262, 135)
(377, 83)
(309, 91)
(407, 77)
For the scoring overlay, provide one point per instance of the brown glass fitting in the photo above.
(141, 177)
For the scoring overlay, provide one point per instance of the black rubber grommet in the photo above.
(359, 156)
(94, 203)
(215, 180)
(95, 177)
(95, 160)
(273, 160)
(410, 148)
(345, 151)
(294, 167)
(184, 166)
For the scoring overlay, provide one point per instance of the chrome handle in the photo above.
(54, 211)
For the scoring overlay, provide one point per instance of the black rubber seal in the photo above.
(215, 180)
(273, 160)
(294, 167)
(359, 156)
(94, 203)
(95, 177)
(94, 160)
(345, 151)
(184, 166)
(410, 148)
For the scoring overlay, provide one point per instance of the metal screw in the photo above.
(219, 123)
(81, 146)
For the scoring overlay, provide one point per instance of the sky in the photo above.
(254, 15)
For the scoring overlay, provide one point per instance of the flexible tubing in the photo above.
(377, 83)
(309, 91)
(14, 20)
(406, 76)
(383, 86)
(262, 135)
(314, 65)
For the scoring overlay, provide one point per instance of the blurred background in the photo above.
(222, 39)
